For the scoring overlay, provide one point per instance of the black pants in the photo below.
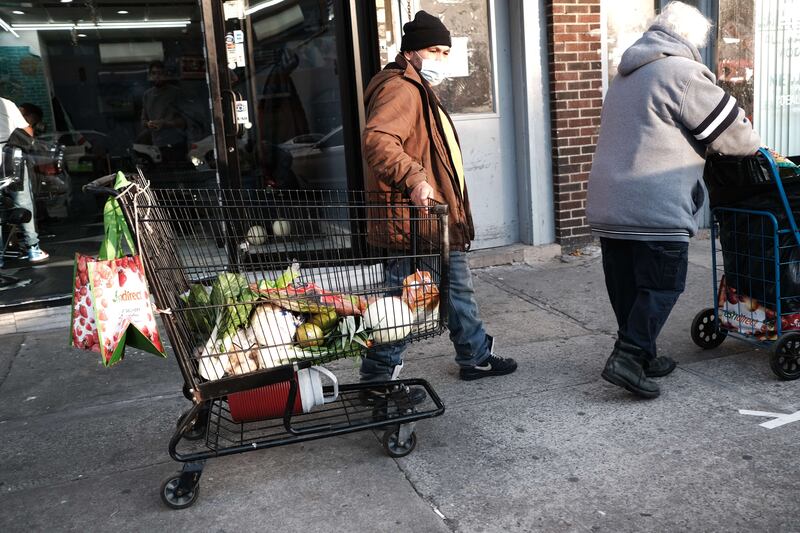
(644, 280)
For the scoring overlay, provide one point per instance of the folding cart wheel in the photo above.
(785, 357)
(399, 440)
(706, 332)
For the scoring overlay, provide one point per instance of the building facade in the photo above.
(269, 93)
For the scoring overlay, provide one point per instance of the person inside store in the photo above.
(45, 183)
(162, 117)
(34, 116)
(11, 120)
(410, 144)
(662, 114)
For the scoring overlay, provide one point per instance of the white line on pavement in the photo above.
(778, 419)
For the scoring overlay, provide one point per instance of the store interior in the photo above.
(123, 84)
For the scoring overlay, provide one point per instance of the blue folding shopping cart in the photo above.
(755, 247)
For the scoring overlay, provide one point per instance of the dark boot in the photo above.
(625, 368)
(659, 367)
(655, 368)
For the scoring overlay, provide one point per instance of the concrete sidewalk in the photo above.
(550, 448)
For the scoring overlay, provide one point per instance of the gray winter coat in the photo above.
(663, 112)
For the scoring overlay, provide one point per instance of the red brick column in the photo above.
(573, 39)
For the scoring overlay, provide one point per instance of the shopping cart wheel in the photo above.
(785, 357)
(176, 497)
(399, 441)
(197, 428)
(706, 332)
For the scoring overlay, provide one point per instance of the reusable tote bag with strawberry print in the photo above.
(111, 302)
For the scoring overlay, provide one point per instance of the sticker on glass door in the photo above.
(234, 48)
(243, 114)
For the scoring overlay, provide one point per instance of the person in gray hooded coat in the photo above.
(662, 114)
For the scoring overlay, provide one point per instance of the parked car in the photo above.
(79, 148)
(319, 164)
(201, 154)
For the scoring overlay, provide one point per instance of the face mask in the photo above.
(434, 72)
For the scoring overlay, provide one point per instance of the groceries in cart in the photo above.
(270, 401)
(249, 326)
(782, 161)
(740, 181)
(749, 316)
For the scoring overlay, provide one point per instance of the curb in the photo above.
(35, 320)
(514, 254)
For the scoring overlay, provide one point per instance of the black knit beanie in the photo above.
(424, 31)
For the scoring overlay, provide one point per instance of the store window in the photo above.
(625, 23)
(776, 92)
(754, 51)
(736, 51)
(470, 86)
(759, 63)
(118, 84)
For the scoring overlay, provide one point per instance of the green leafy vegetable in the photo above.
(284, 280)
(200, 315)
(227, 286)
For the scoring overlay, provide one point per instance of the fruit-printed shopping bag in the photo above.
(111, 302)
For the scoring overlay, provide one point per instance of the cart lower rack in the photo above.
(259, 288)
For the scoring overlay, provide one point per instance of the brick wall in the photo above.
(573, 36)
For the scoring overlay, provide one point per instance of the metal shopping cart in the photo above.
(755, 247)
(256, 288)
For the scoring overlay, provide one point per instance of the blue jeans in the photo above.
(463, 320)
(644, 280)
(24, 200)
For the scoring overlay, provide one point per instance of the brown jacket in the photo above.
(404, 144)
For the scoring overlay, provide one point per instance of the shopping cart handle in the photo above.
(440, 209)
(776, 176)
(102, 185)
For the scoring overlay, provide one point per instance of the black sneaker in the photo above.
(398, 395)
(659, 367)
(493, 366)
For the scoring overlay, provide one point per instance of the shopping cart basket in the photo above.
(756, 264)
(256, 288)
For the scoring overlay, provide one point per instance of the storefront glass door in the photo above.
(280, 73)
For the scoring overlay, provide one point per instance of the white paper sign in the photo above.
(242, 112)
(458, 61)
(233, 9)
(240, 61)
